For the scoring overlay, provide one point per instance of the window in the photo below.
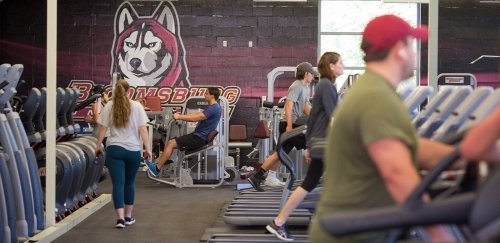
(342, 23)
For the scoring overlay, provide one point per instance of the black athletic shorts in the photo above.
(189, 142)
(299, 142)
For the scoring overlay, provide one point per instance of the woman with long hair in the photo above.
(330, 66)
(126, 120)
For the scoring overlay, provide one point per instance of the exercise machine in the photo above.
(203, 167)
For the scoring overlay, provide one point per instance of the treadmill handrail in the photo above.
(451, 211)
(415, 198)
(284, 158)
(454, 138)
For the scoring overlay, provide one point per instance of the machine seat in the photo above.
(211, 137)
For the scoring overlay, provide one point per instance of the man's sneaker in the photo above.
(120, 224)
(129, 221)
(152, 168)
(255, 183)
(280, 231)
(273, 182)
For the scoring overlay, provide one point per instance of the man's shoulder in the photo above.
(215, 108)
(296, 84)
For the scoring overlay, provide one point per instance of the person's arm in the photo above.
(96, 110)
(481, 142)
(393, 161)
(94, 117)
(145, 138)
(288, 114)
(192, 117)
(100, 137)
(431, 152)
(307, 108)
(103, 122)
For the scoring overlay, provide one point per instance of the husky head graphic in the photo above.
(148, 50)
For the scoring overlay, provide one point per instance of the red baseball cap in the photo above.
(384, 31)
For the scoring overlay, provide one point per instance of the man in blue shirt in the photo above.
(208, 119)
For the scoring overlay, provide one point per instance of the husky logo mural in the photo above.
(148, 50)
(149, 53)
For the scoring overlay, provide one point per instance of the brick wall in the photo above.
(467, 30)
(282, 34)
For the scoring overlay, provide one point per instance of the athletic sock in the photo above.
(274, 221)
(260, 173)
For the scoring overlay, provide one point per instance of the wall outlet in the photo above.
(224, 43)
(250, 43)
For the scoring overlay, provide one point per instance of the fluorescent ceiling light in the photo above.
(406, 1)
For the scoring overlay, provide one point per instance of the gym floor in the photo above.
(163, 214)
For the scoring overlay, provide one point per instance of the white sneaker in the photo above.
(273, 182)
(247, 168)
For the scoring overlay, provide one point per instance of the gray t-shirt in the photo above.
(298, 93)
(127, 137)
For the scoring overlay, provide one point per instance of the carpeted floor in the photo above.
(163, 214)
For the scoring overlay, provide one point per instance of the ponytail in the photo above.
(121, 104)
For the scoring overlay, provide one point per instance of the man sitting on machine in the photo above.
(207, 119)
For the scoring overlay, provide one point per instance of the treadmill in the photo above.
(443, 111)
(268, 207)
(416, 98)
(488, 106)
(316, 152)
(431, 107)
(462, 112)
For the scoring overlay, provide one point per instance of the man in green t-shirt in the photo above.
(373, 150)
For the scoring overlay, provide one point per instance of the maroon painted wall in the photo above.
(283, 34)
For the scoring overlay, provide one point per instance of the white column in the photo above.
(50, 186)
(432, 65)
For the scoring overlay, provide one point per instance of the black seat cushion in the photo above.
(211, 137)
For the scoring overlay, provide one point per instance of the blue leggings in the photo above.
(122, 165)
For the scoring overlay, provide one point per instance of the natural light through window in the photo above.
(342, 23)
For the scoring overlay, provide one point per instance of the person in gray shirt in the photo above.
(297, 105)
